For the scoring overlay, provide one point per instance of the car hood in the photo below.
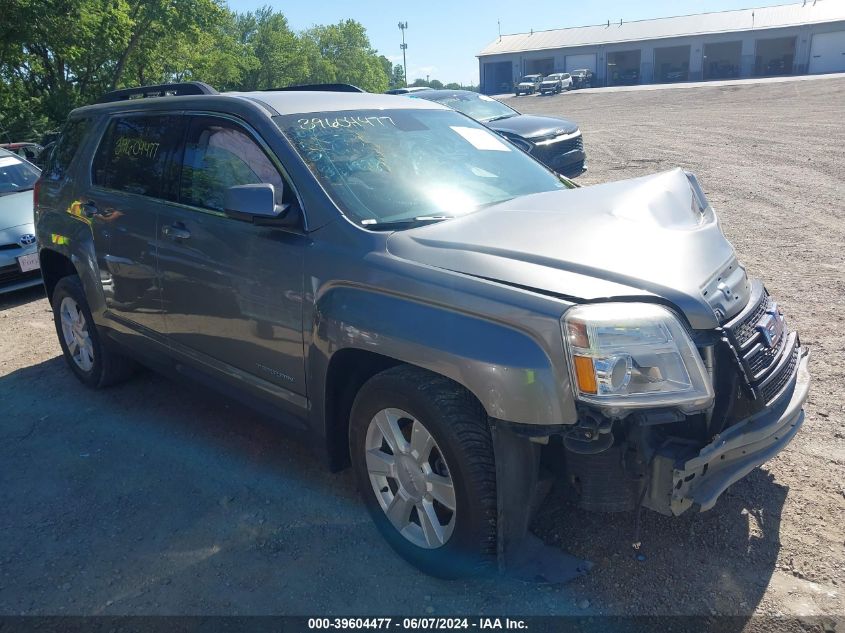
(633, 239)
(15, 210)
(530, 126)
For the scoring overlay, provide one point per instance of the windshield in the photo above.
(16, 175)
(390, 166)
(479, 107)
(530, 78)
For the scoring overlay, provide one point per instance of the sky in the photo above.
(444, 37)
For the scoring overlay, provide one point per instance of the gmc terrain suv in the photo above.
(430, 305)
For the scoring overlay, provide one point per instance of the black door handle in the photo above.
(89, 209)
(175, 232)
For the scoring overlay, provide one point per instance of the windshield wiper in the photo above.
(407, 222)
(499, 118)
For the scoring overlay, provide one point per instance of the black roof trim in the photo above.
(159, 90)
(319, 87)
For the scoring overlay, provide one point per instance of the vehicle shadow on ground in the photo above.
(204, 507)
(724, 558)
(165, 498)
(18, 298)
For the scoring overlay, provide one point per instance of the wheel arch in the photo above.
(358, 332)
(347, 372)
(54, 266)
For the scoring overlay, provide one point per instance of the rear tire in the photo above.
(438, 432)
(89, 357)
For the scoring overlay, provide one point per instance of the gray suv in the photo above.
(426, 303)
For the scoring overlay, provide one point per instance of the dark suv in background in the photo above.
(422, 301)
(582, 78)
(554, 141)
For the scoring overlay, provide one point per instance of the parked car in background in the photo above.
(582, 78)
(405, 91)
(630, 77)
(555, 83)
(677, 74)
(32, 152)
(528, 85)
(555, 142)
(19, 266)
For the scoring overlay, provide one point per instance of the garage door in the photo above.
(576, 62)
(827, 54)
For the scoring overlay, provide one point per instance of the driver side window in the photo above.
(220, 154)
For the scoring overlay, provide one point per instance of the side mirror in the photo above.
(257, 204)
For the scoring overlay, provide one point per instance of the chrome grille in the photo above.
(766, 368)
(772, 389)
(762, 360)
(744, 331)
(561, 147)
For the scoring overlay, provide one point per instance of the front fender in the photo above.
(506, 369)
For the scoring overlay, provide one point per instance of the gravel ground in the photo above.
(161, 498)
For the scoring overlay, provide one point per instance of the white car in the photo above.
(19, 266)
(556, 83)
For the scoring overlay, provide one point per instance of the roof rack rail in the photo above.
(319, 87)
(159, 90)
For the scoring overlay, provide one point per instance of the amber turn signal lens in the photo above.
(586, 374)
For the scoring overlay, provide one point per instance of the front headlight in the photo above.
(626, 356)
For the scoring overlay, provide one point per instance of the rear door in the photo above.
(134, 174)
(232, 290)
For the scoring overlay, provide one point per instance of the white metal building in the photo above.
(808, 37)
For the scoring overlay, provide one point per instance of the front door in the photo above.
(132, 177)
(232, 290)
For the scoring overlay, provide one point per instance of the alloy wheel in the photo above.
(410, 478)
(76, 335)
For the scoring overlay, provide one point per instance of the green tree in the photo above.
(397, 77)
(277, 53)
(346, 56)
(59, 54)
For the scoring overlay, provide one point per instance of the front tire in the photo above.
(93, 362)
(423, 459)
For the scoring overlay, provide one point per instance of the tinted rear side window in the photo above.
(138, 154)
(65, 149)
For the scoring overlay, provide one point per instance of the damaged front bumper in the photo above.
(679, 481)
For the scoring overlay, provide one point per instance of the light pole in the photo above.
(402, 27)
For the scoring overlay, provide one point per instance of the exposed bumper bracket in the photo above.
(678, 484)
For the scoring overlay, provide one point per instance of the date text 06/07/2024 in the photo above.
(414, 624)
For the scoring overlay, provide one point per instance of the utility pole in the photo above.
(402, 27)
